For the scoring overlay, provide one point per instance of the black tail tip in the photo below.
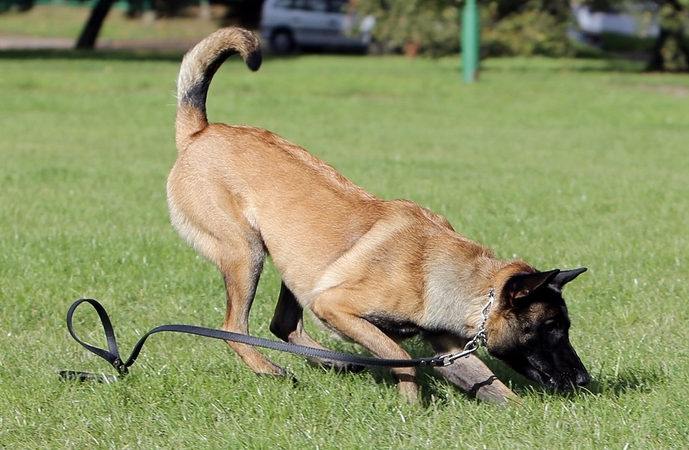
(254, 60)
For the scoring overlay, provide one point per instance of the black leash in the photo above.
(112, 355)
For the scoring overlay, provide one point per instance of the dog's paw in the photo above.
(340, 367)
(337, 366)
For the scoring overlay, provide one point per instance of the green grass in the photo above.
(67, 22)
(564, 163)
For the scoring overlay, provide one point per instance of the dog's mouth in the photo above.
(553, 384)
(564, 381)
(542, 377)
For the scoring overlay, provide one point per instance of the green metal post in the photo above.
(148, 13)
(470, 41)
(205, 10)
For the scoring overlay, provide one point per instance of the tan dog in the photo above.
(374, 271)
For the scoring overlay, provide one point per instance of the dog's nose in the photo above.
(583, 378)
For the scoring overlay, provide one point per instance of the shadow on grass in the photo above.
(517, 64)
(629, 380)
(626, 380)
(104, 55)
(583, 65)
(133, 55)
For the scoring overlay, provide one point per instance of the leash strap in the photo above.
(112, 355)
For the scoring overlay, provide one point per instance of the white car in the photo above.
(329, 24)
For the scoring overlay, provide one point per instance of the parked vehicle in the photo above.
(326, 24)
(617, 22)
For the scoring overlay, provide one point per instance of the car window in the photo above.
(312, 5)
(283, 4)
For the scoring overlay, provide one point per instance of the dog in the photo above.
(374, 271)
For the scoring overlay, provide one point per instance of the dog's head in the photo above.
(528, 328)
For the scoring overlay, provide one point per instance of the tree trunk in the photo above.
(87, 39)
(657, 62)
(671, 21)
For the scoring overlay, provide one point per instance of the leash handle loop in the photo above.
(112, 355)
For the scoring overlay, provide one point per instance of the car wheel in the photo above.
(282, 42)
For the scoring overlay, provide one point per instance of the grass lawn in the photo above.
(564, 163)
(50, 21)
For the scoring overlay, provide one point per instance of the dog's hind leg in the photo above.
(241, 274)
(288, 325)
(215, 224)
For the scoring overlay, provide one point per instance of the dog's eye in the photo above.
(550, 326)
(527, 329)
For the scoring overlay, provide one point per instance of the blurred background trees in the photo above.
(432, 27)
(508, 27)
(529, 27)
(671, 49)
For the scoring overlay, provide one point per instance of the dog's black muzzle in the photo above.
(562, 378)
(560, 369)
(567, 381)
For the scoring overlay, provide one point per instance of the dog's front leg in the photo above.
(470, 374)
(337, 308)
(287, 323)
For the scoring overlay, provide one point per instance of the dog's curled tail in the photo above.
(197, 70)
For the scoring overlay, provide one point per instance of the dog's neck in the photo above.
(457, 293)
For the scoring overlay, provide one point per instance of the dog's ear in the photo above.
(521, 285)
(565, 277)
